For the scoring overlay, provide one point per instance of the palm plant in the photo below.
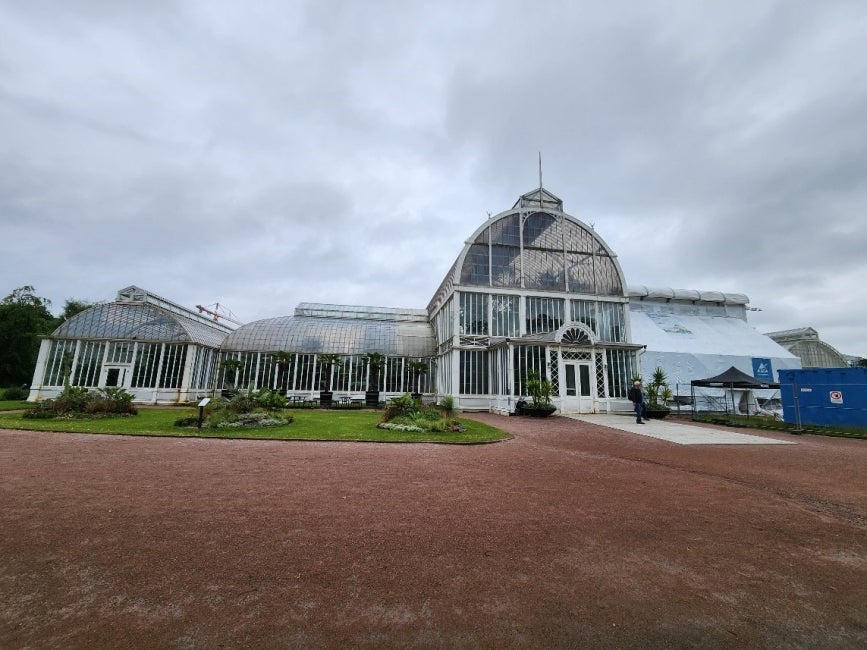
(658, 392)
(375, 361)
(283, 360)
(418, 368)
(231, 368)
(539, 389)
(326, 362)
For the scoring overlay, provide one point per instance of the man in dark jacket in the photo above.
(636, 396)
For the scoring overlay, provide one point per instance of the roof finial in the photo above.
(540, 179)
(540, 170)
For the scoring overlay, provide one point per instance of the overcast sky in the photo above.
(263, 154)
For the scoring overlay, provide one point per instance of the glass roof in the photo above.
(142, 322)
(303, 334)
(541, 251)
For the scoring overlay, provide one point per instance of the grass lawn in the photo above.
(14, 405)
(308, 425)
(759, 422)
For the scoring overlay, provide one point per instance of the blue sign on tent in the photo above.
(762, 369)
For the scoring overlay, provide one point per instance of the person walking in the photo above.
(636, 396)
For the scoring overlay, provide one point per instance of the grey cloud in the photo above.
(334, 151)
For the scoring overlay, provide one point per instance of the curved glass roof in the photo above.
(540, 251)
(537, 247)
(302, 334)
(142, 322)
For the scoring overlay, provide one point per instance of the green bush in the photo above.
(73, 399)
(408, 414)
(16, 393)
(404, 405)
(245, 409)
(42, 411)
(78, 401)
(187, 421)
(269, 400)
(447, 404)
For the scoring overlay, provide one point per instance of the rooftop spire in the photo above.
(540, 179)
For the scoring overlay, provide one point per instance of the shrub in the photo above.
(109, 400)
(73, 399)
(16, 393)
(404, 405)
(42, 411)
(407, 414)
(241, 403)
(268, 400)
(78, 401)
(447, 404)
(250, 410)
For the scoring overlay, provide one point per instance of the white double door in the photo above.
(577, 388)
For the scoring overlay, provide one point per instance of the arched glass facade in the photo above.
(534, 290)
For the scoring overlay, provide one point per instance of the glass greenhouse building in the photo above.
(534, 290)
(157, 350)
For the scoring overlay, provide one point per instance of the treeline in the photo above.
(24, 317)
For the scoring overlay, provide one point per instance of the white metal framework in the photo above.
(534, 289)
(157, 350)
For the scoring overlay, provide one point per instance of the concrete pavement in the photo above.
(677, 432)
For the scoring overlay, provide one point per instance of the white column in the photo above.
(187, 374)
(39, 371)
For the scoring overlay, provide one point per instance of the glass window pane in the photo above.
(570, 379)
(584, 372)
(476, 270)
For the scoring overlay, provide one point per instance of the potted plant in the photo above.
(417, 368)
(374, 361)
(540, 390)
(658, 395)
(326, 362)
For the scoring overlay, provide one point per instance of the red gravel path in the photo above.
(568, 535)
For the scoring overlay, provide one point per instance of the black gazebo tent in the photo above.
(731, 379)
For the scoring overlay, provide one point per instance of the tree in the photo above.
(72, 307)
(24, 316)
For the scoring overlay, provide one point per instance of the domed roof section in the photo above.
(537, 246)
(338, 329)
(137, 321)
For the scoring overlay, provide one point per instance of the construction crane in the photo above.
(217, 312)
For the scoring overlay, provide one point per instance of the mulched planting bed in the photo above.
(568, 534)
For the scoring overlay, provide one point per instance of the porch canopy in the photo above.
(734, 378)
(730, 381)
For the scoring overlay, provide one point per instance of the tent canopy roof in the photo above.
(734, 378)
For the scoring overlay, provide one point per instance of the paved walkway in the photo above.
(677, 432)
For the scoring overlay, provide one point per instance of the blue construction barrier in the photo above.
(824, 396)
